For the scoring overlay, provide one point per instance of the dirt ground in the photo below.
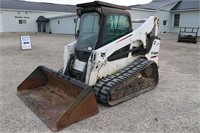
(174, 106)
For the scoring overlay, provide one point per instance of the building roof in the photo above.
(187, 5)
(180, 5)
(155, 4)
(25, 5)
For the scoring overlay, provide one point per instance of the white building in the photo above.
(21, 16)
(173, 14)
(64, 24)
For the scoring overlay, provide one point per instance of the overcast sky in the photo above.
(74, 2)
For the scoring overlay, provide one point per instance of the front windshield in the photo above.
(88, 31)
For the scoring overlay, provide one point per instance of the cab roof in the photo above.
(101, 4)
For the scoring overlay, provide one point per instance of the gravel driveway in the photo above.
(174, 106)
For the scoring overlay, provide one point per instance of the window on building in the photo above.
(165, 22)
(22, 21)
(58, 21)
(176, 20)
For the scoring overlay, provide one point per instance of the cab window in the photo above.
(116, 26)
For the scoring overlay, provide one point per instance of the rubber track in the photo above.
(105, 85)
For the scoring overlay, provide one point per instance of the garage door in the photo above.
(1, 22)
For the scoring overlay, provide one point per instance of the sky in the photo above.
(74, 2)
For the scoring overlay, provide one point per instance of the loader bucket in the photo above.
(57, 100)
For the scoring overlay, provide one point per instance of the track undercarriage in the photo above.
(139, 77)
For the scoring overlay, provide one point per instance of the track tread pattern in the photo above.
(105, 85)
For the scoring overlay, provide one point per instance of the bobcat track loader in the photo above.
(109, 62)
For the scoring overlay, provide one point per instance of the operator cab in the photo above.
(99, 24)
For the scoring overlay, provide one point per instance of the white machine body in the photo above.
(98, 65)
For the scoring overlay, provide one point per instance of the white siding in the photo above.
(1, 22)
(138, 14)
(164, 16)
(11, 20)
(141, 14)
(65, 25)
(187, 19)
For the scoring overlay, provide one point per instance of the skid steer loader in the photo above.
(109, 62)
